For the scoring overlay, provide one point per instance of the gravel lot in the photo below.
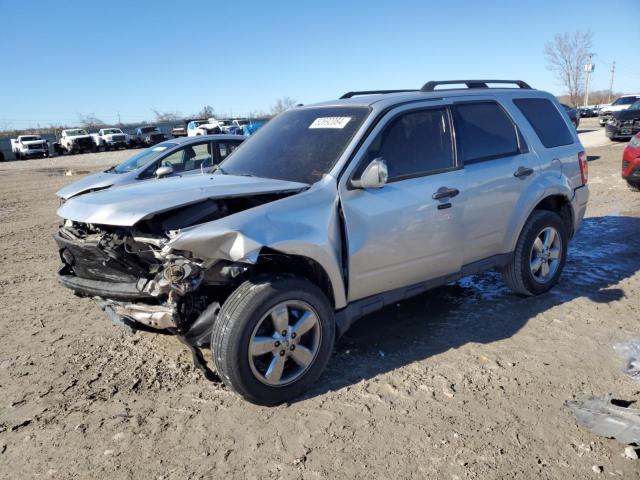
(466, 381)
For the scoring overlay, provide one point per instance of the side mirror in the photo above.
(374, 176)
(164, 171)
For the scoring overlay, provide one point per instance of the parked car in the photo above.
(147, 136)
(330, 212)
(203, 127)
(587, 112)
(178, 131)
(171, 158)
(622, 103)
(624, 124)
(110, 138)
(75, 140)
(631, 163)
(28, 146)
(574, 115)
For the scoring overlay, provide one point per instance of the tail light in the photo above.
(584, 167)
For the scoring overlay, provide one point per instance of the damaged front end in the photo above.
(138, 281)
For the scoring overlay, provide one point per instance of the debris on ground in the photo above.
(631, 453)
(630, 351)
(606, 419)
(597, 468)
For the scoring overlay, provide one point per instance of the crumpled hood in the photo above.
(98, 180)
(127, 205)
(627, 114)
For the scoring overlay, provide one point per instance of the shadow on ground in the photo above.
(481, 309)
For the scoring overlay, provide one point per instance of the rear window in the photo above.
(546, 120)
(484, 131)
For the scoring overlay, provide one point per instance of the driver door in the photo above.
(400, 235)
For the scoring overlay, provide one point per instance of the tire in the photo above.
(634, 187)
(518, 274)
(242, 318)
(17, 155)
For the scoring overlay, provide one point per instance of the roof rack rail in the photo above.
(431, 86)
(373, 92)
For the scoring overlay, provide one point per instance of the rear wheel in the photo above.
(273, 338)
(539, 256)
(634, 186)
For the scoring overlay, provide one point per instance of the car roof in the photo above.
(382, 101)
(199, 138)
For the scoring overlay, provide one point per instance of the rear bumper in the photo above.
(579, 203)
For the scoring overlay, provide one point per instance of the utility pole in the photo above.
(119, 123)
(613, 71)
(588, 68)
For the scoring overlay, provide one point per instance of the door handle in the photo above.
(523, 172)
(445, 192)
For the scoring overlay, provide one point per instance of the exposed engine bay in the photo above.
(138, 280)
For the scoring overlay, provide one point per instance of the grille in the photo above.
(156, 137)
(625, 165)
(34, 147)
(117, 138)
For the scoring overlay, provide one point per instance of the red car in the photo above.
(631, 163)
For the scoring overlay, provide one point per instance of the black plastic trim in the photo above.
(471, 84)
(374, 92)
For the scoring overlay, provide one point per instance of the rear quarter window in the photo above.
(484, 131)
(546, 120)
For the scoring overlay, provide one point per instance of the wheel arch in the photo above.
(556, 199)
(277, 262)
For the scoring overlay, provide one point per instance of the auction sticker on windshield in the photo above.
(158, 149)
(330, 122)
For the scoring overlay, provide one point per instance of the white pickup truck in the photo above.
(76, 140)
(110, 138)
(26, 146)
(210, 126)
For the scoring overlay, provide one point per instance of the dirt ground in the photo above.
(466, 381)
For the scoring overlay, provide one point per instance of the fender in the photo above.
(543, 185)
(306, 224)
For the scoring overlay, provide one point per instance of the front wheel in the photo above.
(539, 256)
(633, 186)
(273, 338)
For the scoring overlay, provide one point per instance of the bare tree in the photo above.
(166, 116)
(206, 112)
(90, 121)
(282, 104)
(566, 56)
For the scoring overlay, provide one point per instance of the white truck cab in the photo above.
(29, 146)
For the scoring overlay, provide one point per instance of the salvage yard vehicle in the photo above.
(174, 157)
(75, 140)
(631, 163)
(203, 127)
(328, 213)
(622, 103)
(28, 146)
(110, 138)
(147, 136)
(625, 123)
(177, 132)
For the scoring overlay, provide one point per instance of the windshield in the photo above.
(29, 139)
(298, 145)
(143, 158)
(625, 101)
(148, 129)
(109, 131)
(75, 133)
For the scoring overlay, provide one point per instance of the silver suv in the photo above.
(330, 212)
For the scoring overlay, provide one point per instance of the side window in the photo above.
(225, 148)
(484, 131)
(414, 143)
(546, 120)
(198, 156)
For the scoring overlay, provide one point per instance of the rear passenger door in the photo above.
(498, 166)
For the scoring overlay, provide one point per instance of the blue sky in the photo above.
(61, 59)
